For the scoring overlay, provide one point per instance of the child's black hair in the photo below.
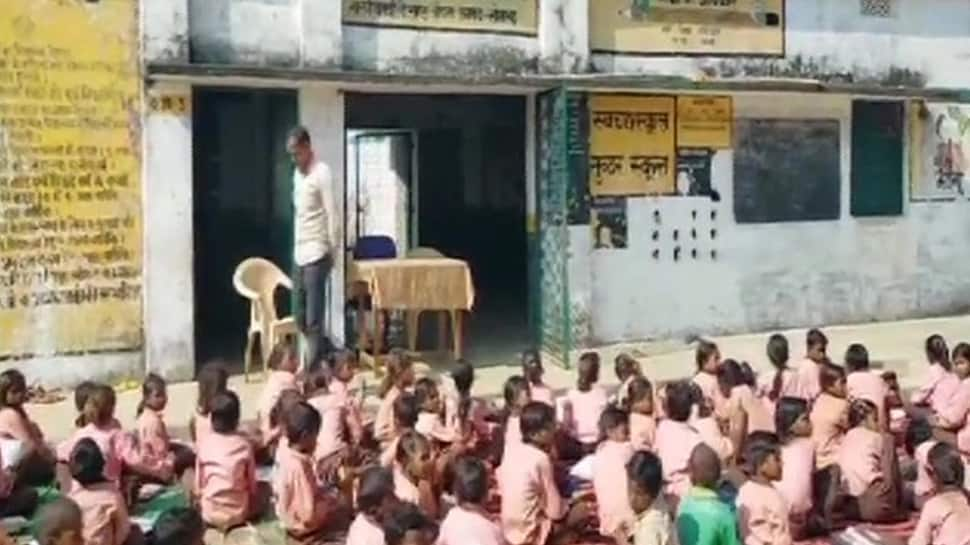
(469, 480)
(704, 466)
(87, 462)
(424, 389)
(731, 374)
(340, 357)
(10, 379)
(224, 412)
(679, 400)
(514, 386)
(962, 351)
(99, 406)
(317, 381)
(588, 371)
(55, 518)
(705, 349)
(282, 351)
(406, 410)
(151, 385)
(408, 446)
(536, 417)
(287, 400)
(947, 465)
(918, 432)
(646, 471)
(376, 484)
(815, 337)
(397, 363)
(829, 375)
(856, 358)
(406, 518)
(301, 421)
(612, 418)
(757, 449)
(778, 355)
(213, 379)
(179, 526)
(81, 394)
(859, 410)
(463, 375)
(937, 351)
(787, 411)
(532, 366)
(530, 356)
(638, 390)
(625, 365)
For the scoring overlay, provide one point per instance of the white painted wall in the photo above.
(169, 300)
(165, 30)
(774, 275)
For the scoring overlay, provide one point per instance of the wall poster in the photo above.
(631, 145)
(495, 16)
(705, 121)
(694, 172)
(609, 221)
(940, 154)
(70, 187)
(688, 27)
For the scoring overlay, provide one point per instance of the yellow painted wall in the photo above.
(70, 183)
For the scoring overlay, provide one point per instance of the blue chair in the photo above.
(375, 247)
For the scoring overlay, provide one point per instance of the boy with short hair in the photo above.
(703, 518)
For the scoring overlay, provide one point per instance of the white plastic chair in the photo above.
(257, 279)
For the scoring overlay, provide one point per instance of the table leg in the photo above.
(412, 325)
(361, 323)
(378, 335)
(443, 331)
(457, 331)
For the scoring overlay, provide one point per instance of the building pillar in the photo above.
(168, 274)
(322, 113)
(564, 36)
(321, 29)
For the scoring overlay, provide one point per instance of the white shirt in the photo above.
(315, 232)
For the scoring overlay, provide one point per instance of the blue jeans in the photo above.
(310, 287)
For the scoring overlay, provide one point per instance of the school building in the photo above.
(611, 170)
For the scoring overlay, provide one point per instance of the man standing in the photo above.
(316, 241)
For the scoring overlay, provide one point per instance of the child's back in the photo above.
(585, 409)
(104, 513)
(225, 477)
(609, 483)
(702, 517)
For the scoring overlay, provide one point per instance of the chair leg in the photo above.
(248, 355)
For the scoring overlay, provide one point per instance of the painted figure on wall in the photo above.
(949, 160)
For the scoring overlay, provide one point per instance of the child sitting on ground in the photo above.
(414, 473)
(627, 369)
(709, 427)
(59, 523)
(343, 368)
(919, 441)
(830, 415)
(306, 512)
(782, 382)
(16, 499)
(167, 459)
(744, 412)
(331, 445)
(36, 466)
(467, 416)
(585, 404)
(652, 523)
(408, 525)
(870, 471)
(179, 526)
(702, 518)
(945, 519)
(398, 380)
(643, 423)
(940, 383)
(375, 501)
(104, 513)
(213, 379)
(609, 473)
(517, 396)
(430, 423)
(762, 512)
(284, 360)
(468, 522)
(532, 371)
(532, 509)
(798, 459)
(676, 439)
(708, 359)
(863, 383)
(406, 412)
(816, 345)
(225, 470)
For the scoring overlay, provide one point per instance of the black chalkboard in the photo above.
(786, 170)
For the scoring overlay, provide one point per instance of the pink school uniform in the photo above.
(513, 436)
(860, 459)
(276, 383)
(956, 416)
(711, 390)
(807, 379)
(116, 445)
(762, 515)
(759, 417)
(945, 520)
(710, 433)
(353, 417)
(828, 419)
(389, 452)
(364, 531)
(225, 479)
(103, 512)
(585, 411)
(610, 486)
(300, 506)
(17, 425)
(530, 499)
(790, 384)
(468, 527)
(868, 385)
(923, 487)
(384, 427)
(154, 443)
(433, 428)
(404, 489)
(643, 431)
(542, 394)
(795, 486)
(330, 439)
(936, 391)
(675, 442)
(202, 425)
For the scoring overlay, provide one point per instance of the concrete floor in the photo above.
(896, 345)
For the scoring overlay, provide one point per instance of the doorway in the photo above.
(242, 200)
(450, 173)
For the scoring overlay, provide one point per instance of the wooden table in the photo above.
(415, 285)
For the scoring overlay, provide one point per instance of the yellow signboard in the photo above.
(631, 145)
(495, 16)
(70, 190)
(704, 122)
(692, 27)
